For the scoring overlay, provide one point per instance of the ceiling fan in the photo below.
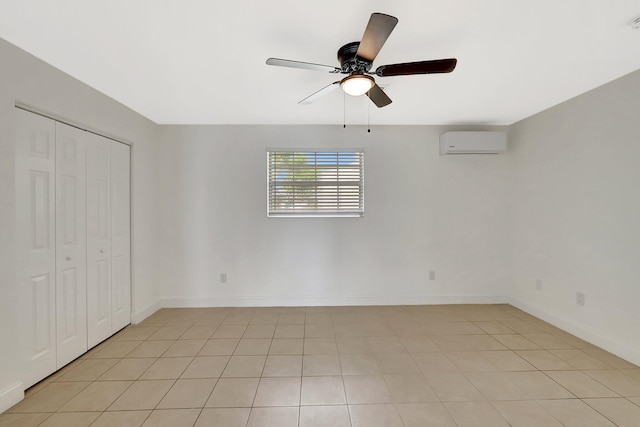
(356, 59)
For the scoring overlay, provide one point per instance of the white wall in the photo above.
(576, 201)
(423, 212)
(31, 81)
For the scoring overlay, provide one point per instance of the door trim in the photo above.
(35, 110)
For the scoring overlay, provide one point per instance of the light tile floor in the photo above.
(400, 366)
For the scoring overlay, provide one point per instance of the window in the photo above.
(315, 183)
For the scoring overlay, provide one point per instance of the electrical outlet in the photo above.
(580, 298)
(432, 275)
(539, 284)
(223, 278)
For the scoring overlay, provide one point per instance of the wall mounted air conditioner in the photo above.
(467, 142)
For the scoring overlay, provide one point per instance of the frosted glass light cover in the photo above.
(357, 85)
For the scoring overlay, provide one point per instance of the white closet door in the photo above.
(120, 237)
(71, 248)
(35, 222)
(98, 239)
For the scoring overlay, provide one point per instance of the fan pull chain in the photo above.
(344, 110)
(368, 117)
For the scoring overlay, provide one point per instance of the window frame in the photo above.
(317, 213)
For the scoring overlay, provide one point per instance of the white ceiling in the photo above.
(203, 61)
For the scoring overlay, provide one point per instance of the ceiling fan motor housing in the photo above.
(350, 62)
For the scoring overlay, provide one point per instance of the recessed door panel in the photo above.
(71, 250)
(35, 239)
(102, 209)
(104, 292)
(118, 269)
(68, 286)
(41, 141)
(68, 201)
(40, 212)
(42, 342)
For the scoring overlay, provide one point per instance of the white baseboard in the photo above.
(580, 331)
(10, 396)
(140, 315)
(311, 301)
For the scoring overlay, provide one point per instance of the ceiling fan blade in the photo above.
(377, 95)
(376, 33)
(420, 67)
(304, 65)
(325, 90)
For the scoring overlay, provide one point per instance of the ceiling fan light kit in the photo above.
(356, 59)
(357, 84)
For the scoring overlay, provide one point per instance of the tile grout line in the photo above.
(406, 316)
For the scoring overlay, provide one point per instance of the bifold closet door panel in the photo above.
(71, 247)
(98, 238)
(120, 236)
(35, 235)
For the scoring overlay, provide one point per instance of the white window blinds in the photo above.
(315, 183)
